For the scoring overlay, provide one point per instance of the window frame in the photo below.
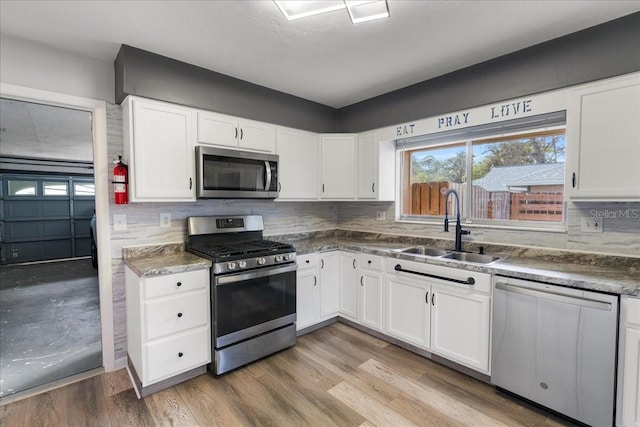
(465, 214)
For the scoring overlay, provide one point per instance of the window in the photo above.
(21, 188)
(55, 188)
(510, 179)
(84, 189)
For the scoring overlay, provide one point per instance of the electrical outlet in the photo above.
(380, 215)
(119, 222)
(591, 225)
(165, 220)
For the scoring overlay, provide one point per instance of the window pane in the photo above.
(21, 188)
(519, 178)
(429, 173)
(84, 189)
(55, 188)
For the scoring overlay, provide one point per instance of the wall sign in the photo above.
(512, 109)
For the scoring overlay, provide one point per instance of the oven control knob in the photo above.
(242, 264)
(278, 258)
(287, 257)
(261, 261)
(231, 265)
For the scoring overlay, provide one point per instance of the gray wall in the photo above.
(146, 74)
(607, 50)
(38, 66)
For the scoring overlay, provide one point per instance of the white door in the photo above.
(329, 284)
(367, 166)
(307, 305)
(257, 136)
(370, 299)
(338, 164)
(348, 285)
(408, 310)
(298, 167)
(218, 129)
(163, 155)
(460, 326)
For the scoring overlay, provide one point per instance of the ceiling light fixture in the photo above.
(359, 10)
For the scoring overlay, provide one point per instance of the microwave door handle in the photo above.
(267, 167)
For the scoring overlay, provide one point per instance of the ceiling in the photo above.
(323, 58)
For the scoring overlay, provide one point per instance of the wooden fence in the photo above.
(428, 199)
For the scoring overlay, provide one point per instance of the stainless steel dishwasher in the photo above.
(556, 346)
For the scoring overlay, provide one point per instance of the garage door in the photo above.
(45, 217)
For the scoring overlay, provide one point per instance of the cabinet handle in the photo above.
(179, 284)
(179, 314)
(315, 280)
(470, 280)
(354, 263)
(433, 294)
(573, 180)
(190, 183)
(323, 188)
(236, 137)
(426, 297)
(373, 187)
(361, 279)
(180, 354)
(279, 186)
(241, 133)
(321, 263)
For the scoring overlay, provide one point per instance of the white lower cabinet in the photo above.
(445, 317)
(370, 291)
(168, 328)
(329, 284)
(629, 363)
(307, 291)
(348, 285)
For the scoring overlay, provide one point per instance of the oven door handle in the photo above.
(263, 272)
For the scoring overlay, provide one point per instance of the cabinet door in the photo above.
(348, 285)
(257, 136)
(338, 164)
(218, 129)
(367, 168)
(408, 310)
(460, 326)
(307, 304)
(631, 392)
(298, 167)
(329, 284)
(604, 141)
(162, 153)
(370, 310)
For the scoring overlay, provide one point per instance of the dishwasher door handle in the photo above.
(554, 296)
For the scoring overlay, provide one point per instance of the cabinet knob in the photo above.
(179, 284)
(180, 354)
(179, 314)
(369, 262)
(307, 261)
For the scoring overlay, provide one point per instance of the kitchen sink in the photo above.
(470, 257)
(423, 250)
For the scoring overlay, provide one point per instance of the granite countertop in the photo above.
(159, 260)
(604, 273)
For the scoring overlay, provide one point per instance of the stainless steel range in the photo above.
(253, 288)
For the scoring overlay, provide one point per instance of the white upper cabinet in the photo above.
(298, 167)
(338, 166)
(159, 140)
(230, 131)
(375, 168)
(603, 147)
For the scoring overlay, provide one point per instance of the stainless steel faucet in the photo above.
(459, 230)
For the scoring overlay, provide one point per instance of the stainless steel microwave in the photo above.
(234, 174)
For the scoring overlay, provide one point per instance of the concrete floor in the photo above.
(49, 323)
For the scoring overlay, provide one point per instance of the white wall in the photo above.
(38, 66)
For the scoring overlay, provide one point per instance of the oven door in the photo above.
(250, 303)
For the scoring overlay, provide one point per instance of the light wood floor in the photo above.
(333, 376)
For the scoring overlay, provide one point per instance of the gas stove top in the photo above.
(236, 244)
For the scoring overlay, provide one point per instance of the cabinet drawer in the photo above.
(177, 354)
(170, 315)
(307, 260)
(172, 283)
(372, 262)
(633, 310)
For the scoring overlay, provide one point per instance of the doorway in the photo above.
(50, 318)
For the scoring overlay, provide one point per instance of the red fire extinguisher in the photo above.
(120, 183)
